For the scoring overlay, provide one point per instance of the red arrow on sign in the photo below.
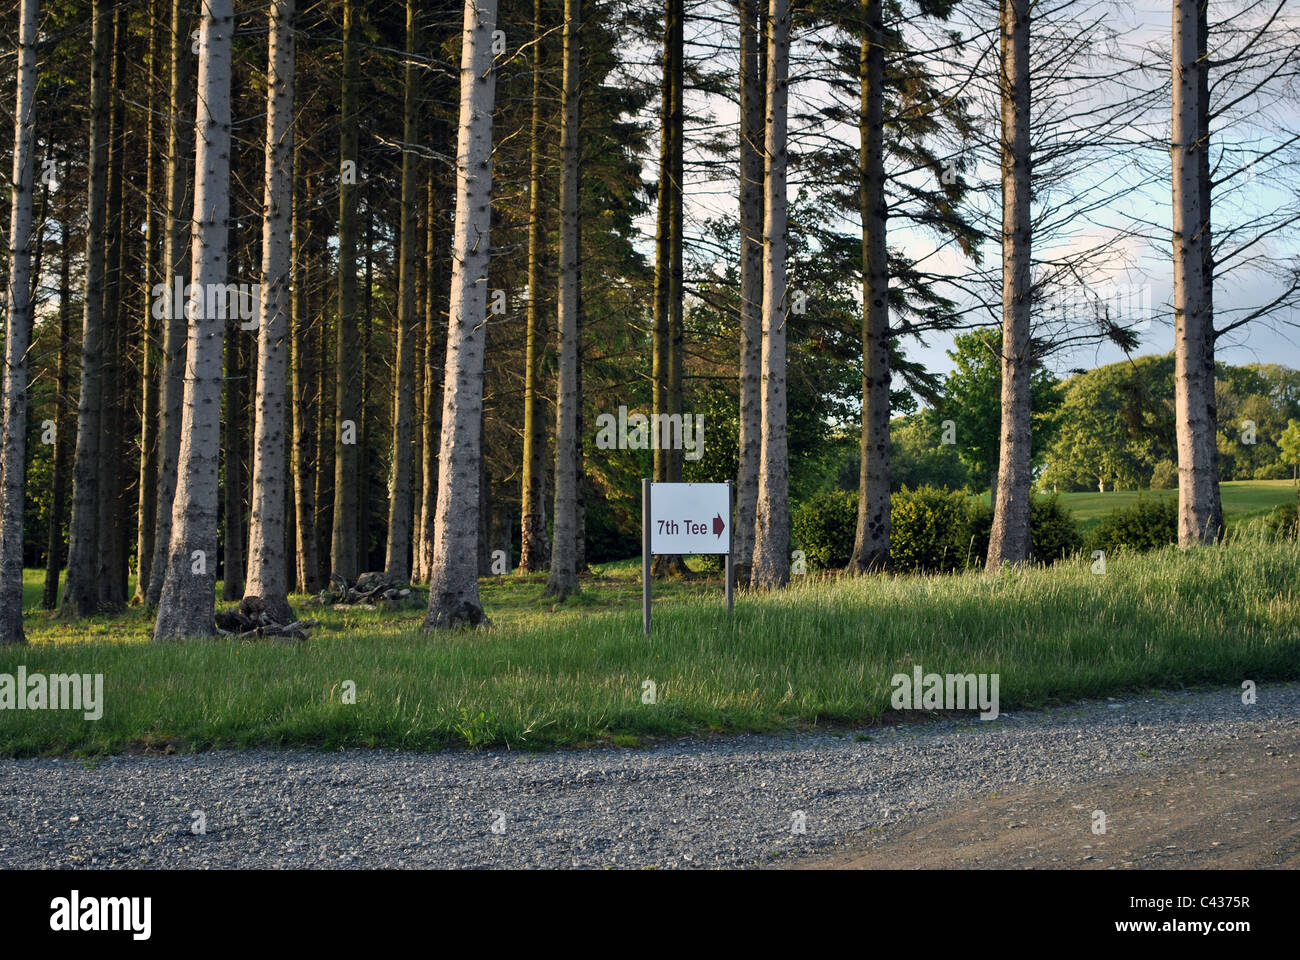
(718, 525)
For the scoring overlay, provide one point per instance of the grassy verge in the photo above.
(821, 652)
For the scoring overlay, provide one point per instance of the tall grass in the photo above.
(822, 651)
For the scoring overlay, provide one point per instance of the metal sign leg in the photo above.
(645, 555)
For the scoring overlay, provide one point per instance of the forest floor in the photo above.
(818, 656)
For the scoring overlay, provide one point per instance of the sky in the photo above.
(1127, 184)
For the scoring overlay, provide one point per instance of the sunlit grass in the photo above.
(1242, 500)
(820, 652)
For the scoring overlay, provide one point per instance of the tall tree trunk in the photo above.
(676, 218)
(771, 562)
(417, 426)
(54, 541)
(871, 540)
(564, 550)
(751, 289)
(533, 555)
(147, 482)
(81, 592)
(666, 372)
(453, 586)
(303, 460)
(266, 563)
(363, 424)
(1009, 540)
(1200, 511)
(397, 561)
(232, 566)
(437, 269)
(325, 414)
(189, 591)
(18, 332)
(484, 551)
(345, 557)
(111, 562)
(175, 269)
(661, 360)
(579, 455)
(1206, 182)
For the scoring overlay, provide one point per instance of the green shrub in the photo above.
(1146, 524)
(1053, 534)
(934, 530)
(824, 528)
(1165, 476)
(1281, 521)
(931, 530)
(1273, 471)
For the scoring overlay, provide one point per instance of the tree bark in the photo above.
(366, 315)
(579, 454)
(453, 587)
(324, 414)
(660, 340)
(871, 539)
(81, 592)
(189, 591)
(771, 561)
(303, 456)
(54, 541)
(344, 551)
(111, 562)
(266, 562)
(751, 289)
(533, 554)
(564, 550)
(147, 480)
(668, 338)
(18, 332)
(397, 563)
(1009, 539)
(437, 269)
(232, 565)
(1200, 512)
(175, 266)
(418, 335)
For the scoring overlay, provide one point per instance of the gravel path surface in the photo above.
(689, 803)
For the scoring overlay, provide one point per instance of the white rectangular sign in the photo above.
(690, 518)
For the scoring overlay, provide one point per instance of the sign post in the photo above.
(646, 556)
(684, 518)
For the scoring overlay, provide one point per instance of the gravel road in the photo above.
(725, 802)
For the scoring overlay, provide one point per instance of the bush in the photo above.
(1273, 471)
(1165, 476)
(824, 528)
(1144, 525)
(935, 530)
(1281, 521)
(1053, 534)
(931, 530)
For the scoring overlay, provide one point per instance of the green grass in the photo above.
(821, 652)
(1242, 500)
